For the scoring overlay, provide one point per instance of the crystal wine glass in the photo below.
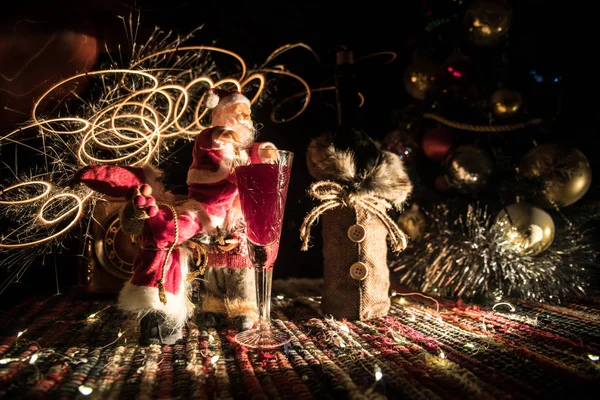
(263, 184)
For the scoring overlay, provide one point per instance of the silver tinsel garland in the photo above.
(468, 257)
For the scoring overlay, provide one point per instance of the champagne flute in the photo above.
(263, 184)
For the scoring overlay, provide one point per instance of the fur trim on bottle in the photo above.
(387, 179)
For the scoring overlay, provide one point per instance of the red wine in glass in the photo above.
(263, 192)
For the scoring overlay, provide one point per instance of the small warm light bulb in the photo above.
(593, 357)
(119, 334)
(33, 358)
(402, 300)
(85, 390)
(7, 360)
(510, 306)
(470, 345)
(21, 333)
(442, 355)
(92, 316)
(214, 359)
(280, 297)
(378, 373)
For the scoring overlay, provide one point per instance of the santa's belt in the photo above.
(159, 248)
(212, 249)
(203, 256)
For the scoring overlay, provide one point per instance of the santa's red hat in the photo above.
(216, 98)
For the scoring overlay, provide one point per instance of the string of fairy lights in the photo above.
(428, 318)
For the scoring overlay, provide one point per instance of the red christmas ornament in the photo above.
(458, 68)
(402, 143)
(441, 183)
(457, 77)
(437, 143)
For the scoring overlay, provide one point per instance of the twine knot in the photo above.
(333, 195)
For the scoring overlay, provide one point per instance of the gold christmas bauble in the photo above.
(525, 228)
(468, 168)
(413, 222)
(487, 22)
(564, 171)
(506, 103)
(420, 78)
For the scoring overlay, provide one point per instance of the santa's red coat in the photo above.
(158, 236)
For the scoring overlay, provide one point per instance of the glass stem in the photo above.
(264, 277)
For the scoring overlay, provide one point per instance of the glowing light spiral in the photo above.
(130, 116)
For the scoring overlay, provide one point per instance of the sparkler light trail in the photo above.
(135, 113)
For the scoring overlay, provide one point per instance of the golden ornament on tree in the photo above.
(506, 103)
(413, 222)
(420, 77)
(487, 22)
(564, 171)
(527, 229)
(468, 168)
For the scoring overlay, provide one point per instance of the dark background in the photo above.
(552, 36)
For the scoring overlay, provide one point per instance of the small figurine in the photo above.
(170, 227)
(229, 288)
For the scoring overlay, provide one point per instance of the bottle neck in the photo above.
(347, 94)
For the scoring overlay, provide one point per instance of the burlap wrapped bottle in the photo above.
(356, 228)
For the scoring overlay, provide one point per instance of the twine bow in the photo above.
(333, 195)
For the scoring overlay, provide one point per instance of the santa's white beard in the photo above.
(244, 129)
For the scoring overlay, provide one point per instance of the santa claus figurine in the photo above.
(228, 283)
(169, 228)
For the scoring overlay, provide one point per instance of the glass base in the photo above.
(262, 339)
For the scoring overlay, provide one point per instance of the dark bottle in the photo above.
(350, 133)
(346, 90)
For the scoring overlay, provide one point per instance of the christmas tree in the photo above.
(504, 200)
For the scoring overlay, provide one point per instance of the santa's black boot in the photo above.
(210, 320)
(168, 333)
(149, 333)
(155, 329)
(243, 322)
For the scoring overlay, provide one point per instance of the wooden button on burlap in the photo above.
(359, 271)
(357, 233)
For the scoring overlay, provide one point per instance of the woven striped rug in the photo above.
(66, 347)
